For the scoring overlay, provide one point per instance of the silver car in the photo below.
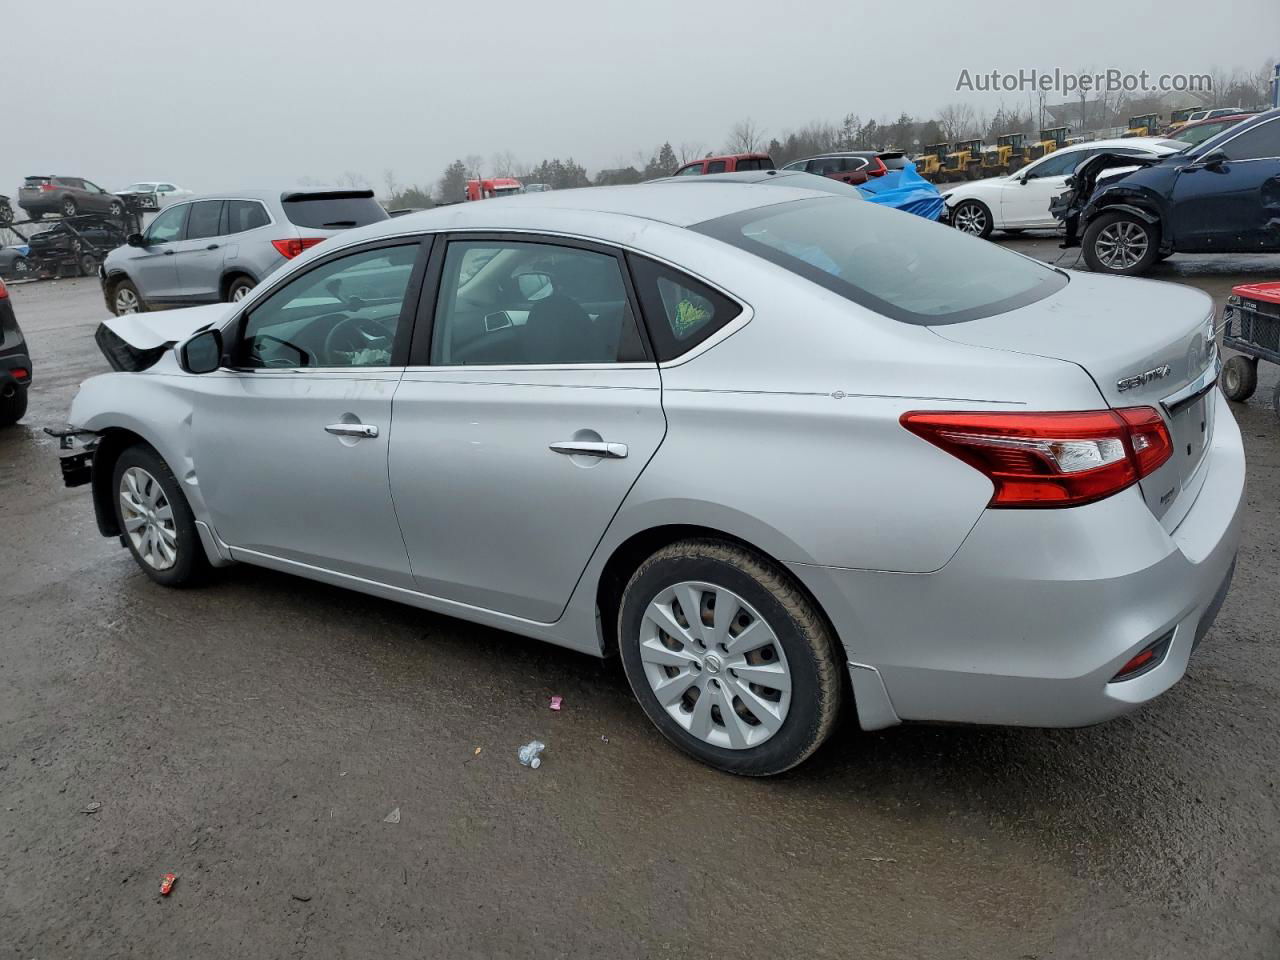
(217, 248)
(782, 452)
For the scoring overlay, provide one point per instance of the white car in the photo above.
(155, 193)
(1021, 200)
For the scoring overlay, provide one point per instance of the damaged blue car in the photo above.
(1219, 196)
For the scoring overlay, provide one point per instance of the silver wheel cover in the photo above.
(1121, 245)
(126, 301)
(970, 219)
(148, 519)
(719, 672)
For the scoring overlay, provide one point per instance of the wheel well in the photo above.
(111, 443)
(629, 554)
(230, 278)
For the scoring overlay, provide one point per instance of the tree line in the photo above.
(1098, 112)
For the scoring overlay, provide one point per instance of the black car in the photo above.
(81, 243)
(1220, 196)
(15, 364)
(14, 264)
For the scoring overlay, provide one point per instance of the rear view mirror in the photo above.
(136, 240)
(1214, 159)
(534, 286)
(202, 353)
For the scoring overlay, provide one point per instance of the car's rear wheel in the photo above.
(155, 519)
(117, 208)
(125, 299)
(972, 217)
(1239, 378)
(14, 406)
(86, 264)
(1121, 243)
(6, 214)
(21, 268)
(729, 658)
(69, 207)
(238, 289)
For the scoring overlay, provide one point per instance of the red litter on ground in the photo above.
(555, 702)
(166, 885)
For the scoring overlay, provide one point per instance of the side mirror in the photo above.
(533, 284)
(136, 240)
(1213, 160)
(202, 353)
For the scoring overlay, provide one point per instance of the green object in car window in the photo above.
(687, 312)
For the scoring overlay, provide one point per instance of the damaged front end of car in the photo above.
(1084, 198)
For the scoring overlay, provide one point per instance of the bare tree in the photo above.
(689, 150)
(955, 120)
(389, 178)
(475, 165)
(504, 164)
(352, 180)
(745, 137)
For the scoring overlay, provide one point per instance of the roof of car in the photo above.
(663, 201)
(1155, 144)
(1239, 115)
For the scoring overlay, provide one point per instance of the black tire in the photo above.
(69, 207)
(86, 265)
(1275, 399)
(6, 214)
(13, 407)
(811, 652)
(238, 288)
(35, 215)
(1239, 378)
(972, 217)
(189, 565)
(116, 209)
(117, 301)
(21, 268)
(1112, 259)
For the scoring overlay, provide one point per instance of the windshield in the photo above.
(139, 188)
(891, 262)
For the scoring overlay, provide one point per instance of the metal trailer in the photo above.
(1251, 325)
(82, 254)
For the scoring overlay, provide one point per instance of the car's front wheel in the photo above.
(729, 658)
(125, 299)
(972, 217)
(1121, 243)
(69, 208)
(238, 289)
(117, 208)
(155, 519)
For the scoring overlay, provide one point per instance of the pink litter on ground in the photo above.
(555, 702)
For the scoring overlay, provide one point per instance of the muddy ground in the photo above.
(251, 737)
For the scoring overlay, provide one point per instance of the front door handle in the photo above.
(212, 246)
(587, 448)
(352, 430)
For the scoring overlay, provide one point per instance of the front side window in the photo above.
(690, 171)
(169, 225)
(348, 312)
(901, 267)
(681, 312)
(1261, 142)
(516, 303)
(202, 222)
(93, 187)
(1059, 164)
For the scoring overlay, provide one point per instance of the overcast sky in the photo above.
(238, 93)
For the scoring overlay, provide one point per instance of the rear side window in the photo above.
(203, 220)
(715, 166)
(749, 163)
(680, 311)
(333, 211)
(1259, 143)
(906, 268)
(245, 215)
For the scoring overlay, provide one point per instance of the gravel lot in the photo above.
(251, 736)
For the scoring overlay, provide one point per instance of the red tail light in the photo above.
(293, 246)
(1051, 459)
(21, 374)
(47, 187)
(4, 291)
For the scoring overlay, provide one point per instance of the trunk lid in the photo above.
(1144, 343)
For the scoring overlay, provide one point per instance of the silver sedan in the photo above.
(783, 453)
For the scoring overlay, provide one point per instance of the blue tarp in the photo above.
(905, 190)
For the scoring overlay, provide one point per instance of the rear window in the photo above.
(896, 264)
(35, 181)
(333, 211)
(893, 161)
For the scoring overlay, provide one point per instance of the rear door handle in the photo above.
(586, 448)
(352, 430)
(212, 246)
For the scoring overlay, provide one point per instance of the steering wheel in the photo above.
(353, 334)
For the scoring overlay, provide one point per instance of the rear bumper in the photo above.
(1038, 610)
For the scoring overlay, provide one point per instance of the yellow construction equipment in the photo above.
(1142, 126)
(929, 163)
(964, 162)
(1179, 117)
(1005, 157)
(1051, 138)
